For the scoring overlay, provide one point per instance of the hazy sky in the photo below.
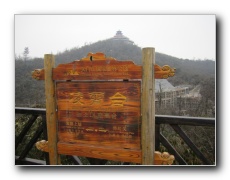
(182, 36)
(45, 45)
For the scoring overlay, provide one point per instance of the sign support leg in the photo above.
(51, 115)
(148, 106)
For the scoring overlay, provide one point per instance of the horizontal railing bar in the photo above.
(184, 120)
(160, 119)
(26, 110)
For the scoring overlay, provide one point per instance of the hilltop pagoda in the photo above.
(120, 37)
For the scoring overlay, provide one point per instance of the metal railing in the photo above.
(176, 123)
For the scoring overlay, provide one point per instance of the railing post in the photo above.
(51, 115)
(157, 138)
(148, 106)
(45, 137)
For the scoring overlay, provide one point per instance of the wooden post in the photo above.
(148, 106)
(51, 115)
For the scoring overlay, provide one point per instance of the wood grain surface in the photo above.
(97, 107)
(109, 69)
(103, 114)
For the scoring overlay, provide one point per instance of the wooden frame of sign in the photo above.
(100, 107)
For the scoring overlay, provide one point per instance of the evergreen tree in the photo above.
(26, 53)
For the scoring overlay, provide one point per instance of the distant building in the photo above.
(166, 95)
(120, 37)
(190, 100)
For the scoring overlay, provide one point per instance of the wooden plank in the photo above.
(109, 153)
(104, 114)
(97, 70)
(102, 68)
(148, 106)
(51, 115)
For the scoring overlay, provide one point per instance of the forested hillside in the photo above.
(29, 92)
(187, 71)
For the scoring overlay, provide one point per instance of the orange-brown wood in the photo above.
(148, 106)
(39, 74)
(97, 70)
(109, 153)
(126, 155)
(105, 114)
(96, 56)
(51, 116)
(96, 113)
(163, 158)
(102, 68)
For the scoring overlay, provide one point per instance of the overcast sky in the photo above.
(9, 41)
(182, 36)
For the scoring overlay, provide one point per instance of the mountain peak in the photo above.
(120, 37)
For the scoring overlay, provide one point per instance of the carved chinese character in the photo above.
(124, 128)
(107, 115)
(118, 99)
(114, 116)
(100, 115)
(72, 72)
(96, 97)
(77, 98)
(79, 114)
(68, 113)
(78, 124)
(86, 114)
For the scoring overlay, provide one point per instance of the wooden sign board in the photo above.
(100, 108)
(103, 114)
(102, 68)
